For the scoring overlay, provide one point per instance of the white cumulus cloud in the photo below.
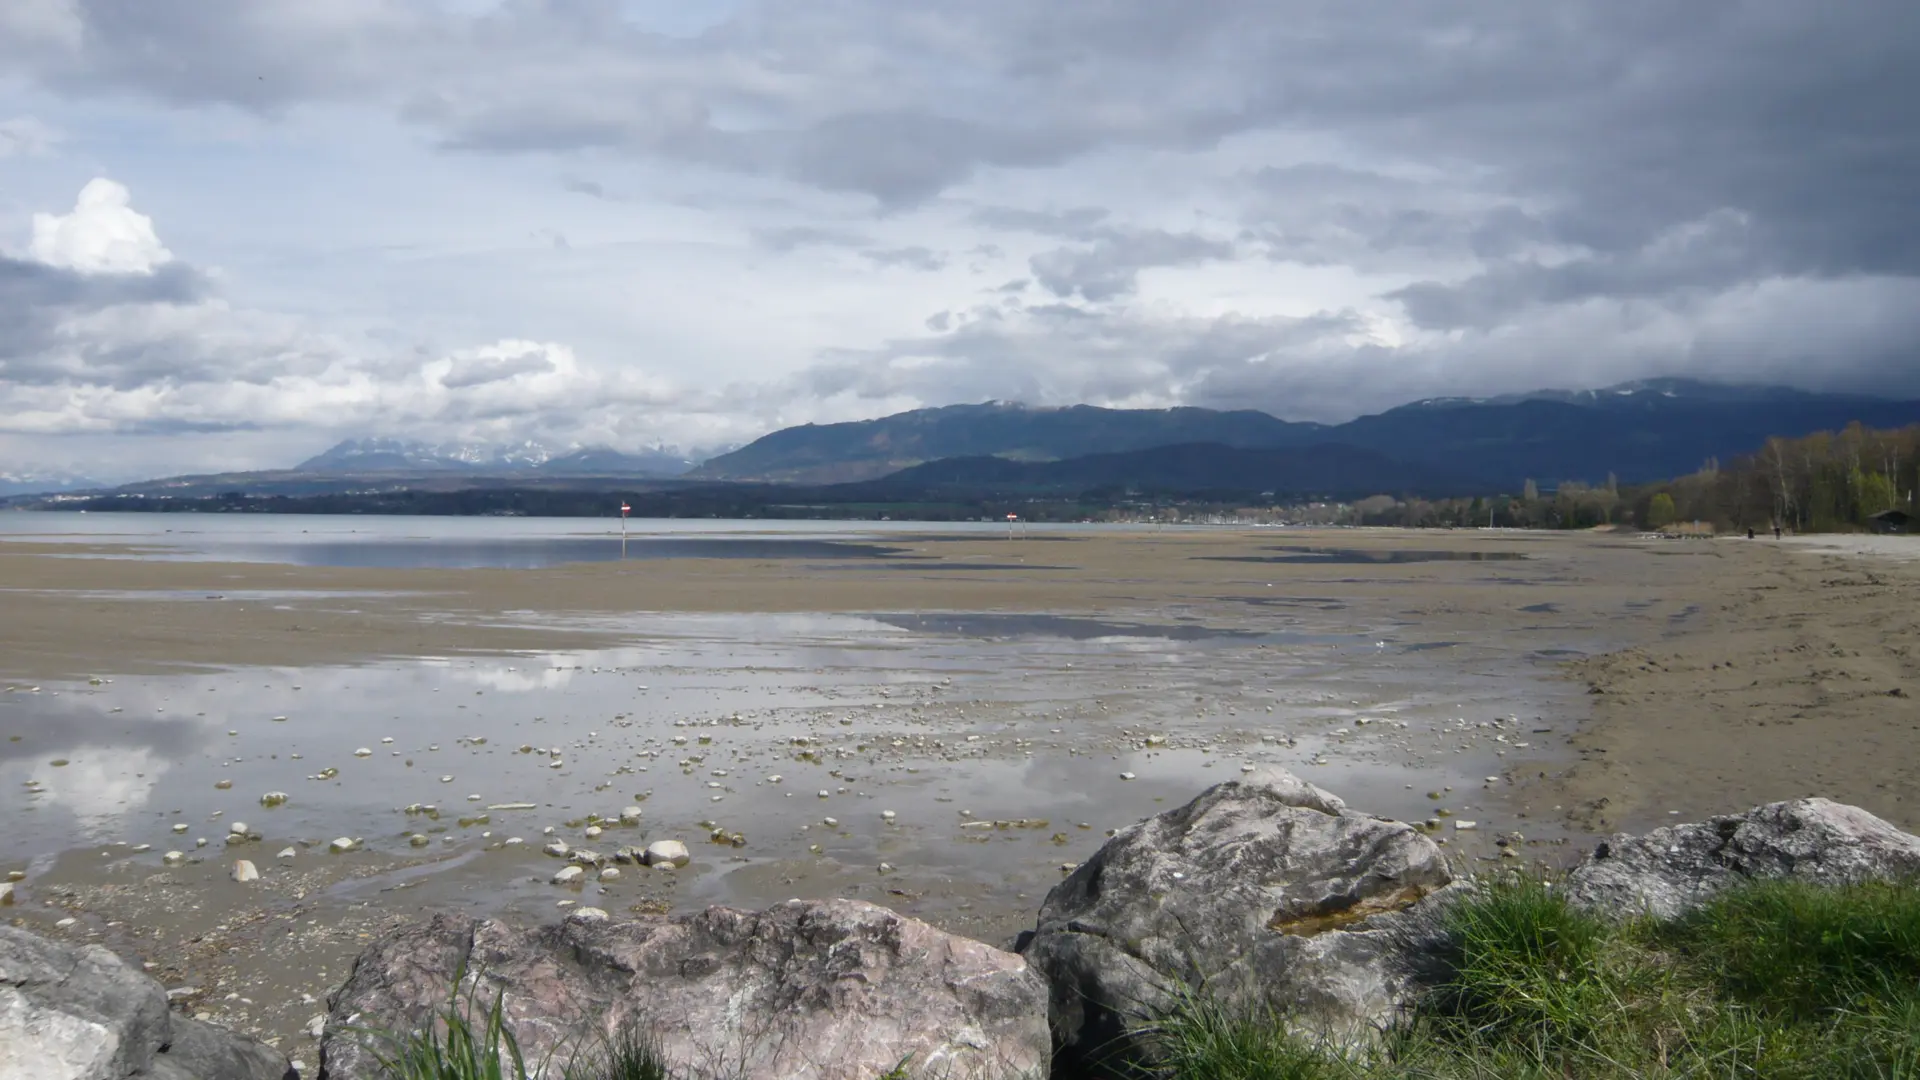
(103, 234)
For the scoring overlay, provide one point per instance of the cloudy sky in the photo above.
(235, 231)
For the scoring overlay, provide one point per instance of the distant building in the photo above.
(1893, 521)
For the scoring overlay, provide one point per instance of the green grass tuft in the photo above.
(1768, 982)
(1202, 1039)
(1804, 953)
(625, 1055)
(453, 1046)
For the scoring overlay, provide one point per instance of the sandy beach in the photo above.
(1003, 703)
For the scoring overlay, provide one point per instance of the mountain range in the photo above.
(1201, 470)
(406, 456)
(28, 481)
(1635, 432)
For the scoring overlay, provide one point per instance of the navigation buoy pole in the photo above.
(1011, 518)
(624, 510)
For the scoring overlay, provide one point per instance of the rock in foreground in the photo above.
(1265, 892)
(1671, 870)
(834, 990)
(81, 1013)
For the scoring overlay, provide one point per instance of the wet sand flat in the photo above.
(938, 727)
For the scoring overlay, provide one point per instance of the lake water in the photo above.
(473, 542)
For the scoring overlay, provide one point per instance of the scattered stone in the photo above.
(174, 858)
(342, 844)
(568, 875)
(244, 870)
(513, 806)
(1127, 776)
(237, 828)
(667, 853)
(273, 798)
(6, 893)
(611, 873)
(287, 853)
(630, 815)
(363, 752)
(588, 914)
(557, 848)
(418, 840)
(223, 785)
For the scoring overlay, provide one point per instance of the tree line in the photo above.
(1824, 482)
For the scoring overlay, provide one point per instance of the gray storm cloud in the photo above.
(1319, 207)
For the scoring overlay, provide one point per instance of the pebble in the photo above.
(237, 828)
(888, 815)
(1465, 826)
(593, 832)
(317, 1026)
(244, 870)
(180, 827)
(557, 848)
(589, 914)
(630, 815)
(417, 840)
(611, 873)
(1126, 776)
(363, 752)
(287, 853)
(273, 798)
(223, 785)
(667, 853)
(6, 893)
(342, 844)
(568, 875)
(174, 858)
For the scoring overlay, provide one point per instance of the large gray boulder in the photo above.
(81, 1013)
(833, 990)
(1262, 893)
(1669, 871)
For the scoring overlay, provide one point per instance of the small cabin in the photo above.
(1896, 522)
